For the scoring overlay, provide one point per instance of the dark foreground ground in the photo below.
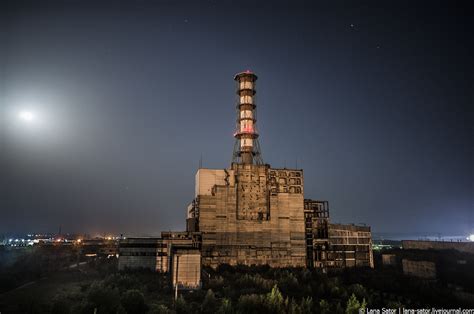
(51, 283)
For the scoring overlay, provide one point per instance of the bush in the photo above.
(274, 301)
(181, 306)
(210, 304)
(306, 305)
(159, 309)
(254, 283)
(122, 281)
(60, 306)
(216, 282)
(106, 300)
(133, 301)
(288, 282)
(353, 306)
(251, 303)
(293, 307)
(324, 307)
(358, 290)
(226, 307)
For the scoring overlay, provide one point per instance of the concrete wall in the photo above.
(151, 253)
(421, 269)
(139, 253)
(254, 215)
(350, 246)
(206, 179)
(186, 270)
(467, 247)
(389, 259)
(243, 222)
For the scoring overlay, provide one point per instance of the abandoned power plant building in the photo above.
(176, 253)
(252, 214)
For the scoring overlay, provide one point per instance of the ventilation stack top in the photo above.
(247, 148)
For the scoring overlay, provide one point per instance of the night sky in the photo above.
(374, 100)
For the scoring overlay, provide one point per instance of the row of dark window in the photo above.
(285, 174)
(143, 254)
(143, 245)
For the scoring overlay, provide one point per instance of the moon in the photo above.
(26, 115)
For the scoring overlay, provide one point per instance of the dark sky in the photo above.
(374, 100)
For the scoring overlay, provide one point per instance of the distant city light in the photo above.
(26, 116)
(471, 238)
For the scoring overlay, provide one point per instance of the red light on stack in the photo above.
(246, 133)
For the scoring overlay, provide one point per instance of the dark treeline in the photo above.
(258, 290)
(98, 287)
(19, 266)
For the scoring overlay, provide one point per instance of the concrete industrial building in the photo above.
(176, 253)
(421, 269)
(253, 214)
(467, 247)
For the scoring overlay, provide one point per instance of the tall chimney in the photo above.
(247, 148)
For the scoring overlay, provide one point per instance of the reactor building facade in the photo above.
(253, 214)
